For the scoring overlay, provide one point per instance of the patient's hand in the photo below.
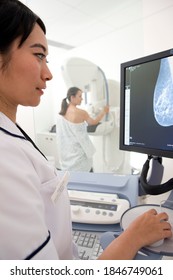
(106, 109)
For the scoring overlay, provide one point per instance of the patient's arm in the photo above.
(99, 117)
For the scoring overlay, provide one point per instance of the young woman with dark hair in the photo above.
(31, 225)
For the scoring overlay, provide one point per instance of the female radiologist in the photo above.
(31, 225)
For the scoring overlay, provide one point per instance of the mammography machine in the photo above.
(98, 92)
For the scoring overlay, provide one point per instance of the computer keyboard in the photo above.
(88, 244)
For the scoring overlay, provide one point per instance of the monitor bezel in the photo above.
(132, 148)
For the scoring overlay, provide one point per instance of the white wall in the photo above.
(133, 38)
(157, 25)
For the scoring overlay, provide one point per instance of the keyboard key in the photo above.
(88, 244)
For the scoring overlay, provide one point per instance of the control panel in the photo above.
(96, 208)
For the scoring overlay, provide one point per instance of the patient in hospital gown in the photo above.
(74, 145)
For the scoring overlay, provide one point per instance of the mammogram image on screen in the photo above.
(163, 94)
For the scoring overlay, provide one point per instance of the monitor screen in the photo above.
(146, 105)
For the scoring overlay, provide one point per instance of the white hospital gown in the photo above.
(74, 145)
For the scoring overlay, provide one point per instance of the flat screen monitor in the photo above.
(146, 105)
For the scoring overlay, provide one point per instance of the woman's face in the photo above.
(78, 98)
(24, 79)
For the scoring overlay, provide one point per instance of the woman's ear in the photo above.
(72, 98)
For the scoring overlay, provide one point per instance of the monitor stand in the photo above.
(157, 169)
(152, 185)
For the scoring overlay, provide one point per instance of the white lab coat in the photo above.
(27, 214)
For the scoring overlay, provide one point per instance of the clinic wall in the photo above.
(107, 52)
(158, 23)
(139, 38)
(129, 41)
